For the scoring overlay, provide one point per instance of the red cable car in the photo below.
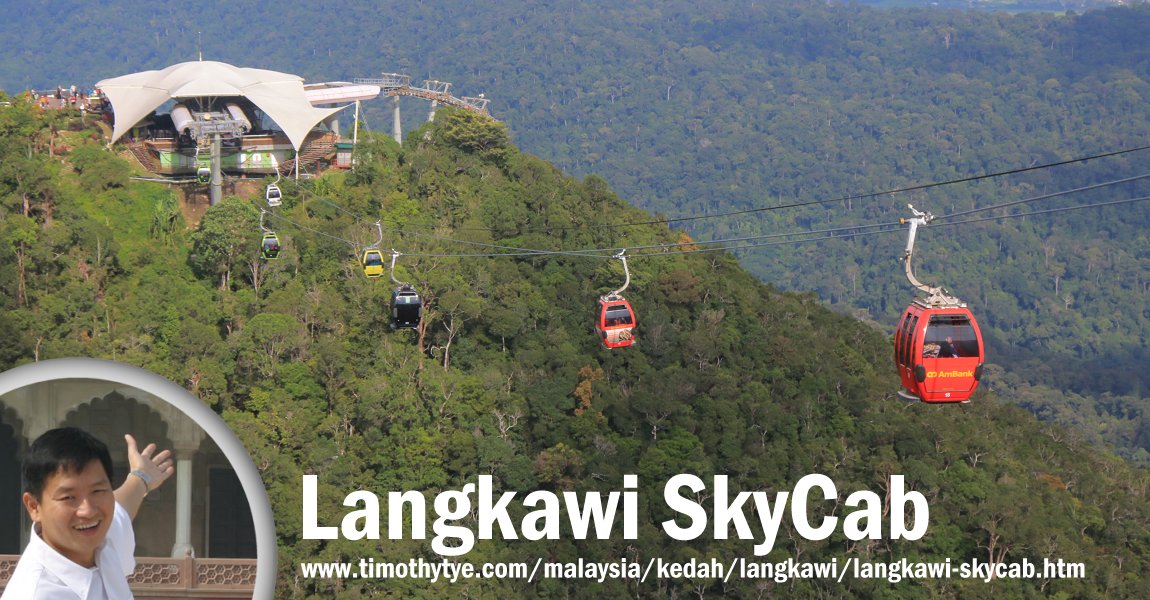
(937, 345)
(939, 353)
(616, 322)
(616, 318)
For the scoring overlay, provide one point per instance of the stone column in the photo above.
(396, 123)
(217, 185)
(183, 546)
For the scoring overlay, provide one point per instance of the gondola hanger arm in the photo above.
(379, 231)
(394, 256)
(936, 295)
(622, 255)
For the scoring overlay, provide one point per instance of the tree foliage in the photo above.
(691, 109)
(730, 376)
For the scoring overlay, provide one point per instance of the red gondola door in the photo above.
(939, 352)
(616, 322)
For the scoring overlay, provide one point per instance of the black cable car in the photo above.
(937, 345)
(270, 247)
(406, 308)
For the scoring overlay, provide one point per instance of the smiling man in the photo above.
(82, 541)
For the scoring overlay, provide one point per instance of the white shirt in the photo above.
(45, 574)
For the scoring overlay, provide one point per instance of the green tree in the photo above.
(228, 232)
(475, 133)
(99, 170)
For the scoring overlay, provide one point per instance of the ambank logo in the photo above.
(948, 374)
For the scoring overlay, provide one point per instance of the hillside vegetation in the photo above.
(690, 109)
(506, 378)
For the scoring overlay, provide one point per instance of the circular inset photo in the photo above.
(180, 511)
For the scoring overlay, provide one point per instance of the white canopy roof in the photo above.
(334, 93)
(279, 95)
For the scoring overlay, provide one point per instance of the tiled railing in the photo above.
(165, 578)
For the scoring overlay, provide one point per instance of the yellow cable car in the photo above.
(372, 261)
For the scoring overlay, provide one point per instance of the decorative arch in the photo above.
(108, 410)
(108, 417)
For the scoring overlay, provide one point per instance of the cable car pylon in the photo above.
(937, 344)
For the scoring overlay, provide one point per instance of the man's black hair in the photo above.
(66, 449)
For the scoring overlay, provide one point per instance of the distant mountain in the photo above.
(1001, 5)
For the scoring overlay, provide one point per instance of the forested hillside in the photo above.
(1058, 6)
(730, 376)
(691, 109)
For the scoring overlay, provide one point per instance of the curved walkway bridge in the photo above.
(438, 92)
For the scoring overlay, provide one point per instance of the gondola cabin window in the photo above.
(617, 314)
(950, 336)
(616, 322)
(939, 353)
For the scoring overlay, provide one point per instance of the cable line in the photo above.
(1049, 210)
(1047, 196)
(315, 231)
(852, 231)
(834, 230)
(454, 240)
(893, 191)
(897, 230)
(519, 252)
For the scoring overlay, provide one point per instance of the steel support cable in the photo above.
(597, 253)
(1047, 211)
(526, 253)
(520, 251)
(850, 227)
(592, 252)
(607, 253)
(315, 231)
(454, 240)
(1047, 196)
(901, 190)
(897, 230)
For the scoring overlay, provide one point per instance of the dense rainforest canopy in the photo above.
(691, 109)
(505, 377)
